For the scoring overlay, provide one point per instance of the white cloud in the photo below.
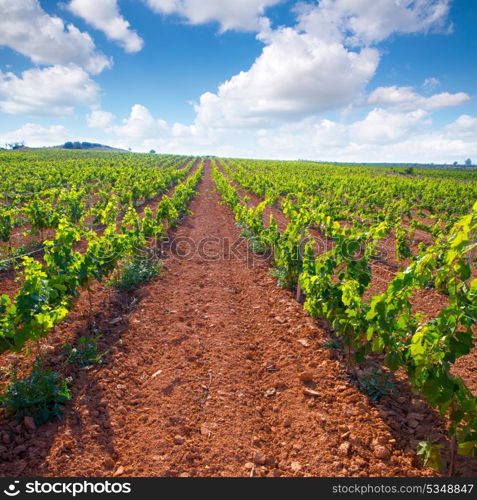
(370, 21)
(230, 14)
(431, 83)
(405, 97)
(407, 137)
(310, 69)
(104, 15)
(381, 136)
(142, 131)
(28, 29)
(55, 90)
(464, 127)
(37, 136)
(381, 126)
(99, 119)
(139, 126)
(296, 75)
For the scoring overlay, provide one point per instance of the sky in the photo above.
(329, 80)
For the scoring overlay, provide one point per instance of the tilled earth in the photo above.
(212, 370)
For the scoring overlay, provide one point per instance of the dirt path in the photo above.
(211, 376)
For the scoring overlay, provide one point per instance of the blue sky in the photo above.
(338, 80)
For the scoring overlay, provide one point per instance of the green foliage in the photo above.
(281, 274)
(7, 223)
(42, 395)
(376, 384)
(48, 290)
(137, 270)
(254, 243)
(332, 344)
(335, 281)
(430, 454)
(86, 353)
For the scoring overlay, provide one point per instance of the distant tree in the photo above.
(152, 152)
(409, 170)
(15, 145)
(468, 162)
(455, 163)
(129, 149)
(80, 145)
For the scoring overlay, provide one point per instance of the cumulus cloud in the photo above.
(382, 135)
(35, 135)
(359, 22)
(322, 64)
(230, 14)
(140, 125)
(55, 90)
(405, 97)
(104, 15)
(99, 119)
(26, 28)
(407, 137)
(464, 127)
(296, 75)
(142, 131)
(381, 126)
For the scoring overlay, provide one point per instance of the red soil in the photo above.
(214, 371)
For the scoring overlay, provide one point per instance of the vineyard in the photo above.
(164, 315)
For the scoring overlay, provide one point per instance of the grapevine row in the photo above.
(335, 282)
(49, 289)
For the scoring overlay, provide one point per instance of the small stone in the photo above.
(184, 474)
(270, 392)
(306, 377)
(303, 342)
(119, 471)
(279, 320)
(29, 423)
(249, 465)
(310, 392)
(381, 452)
(295, 466)
(413, 423)
(204, 430)
(179, 439)
(259, 458)
(343, 449)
